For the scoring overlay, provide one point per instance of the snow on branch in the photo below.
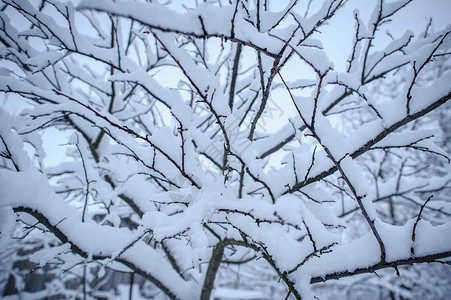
(222, 145)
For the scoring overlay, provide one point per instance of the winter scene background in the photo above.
(225, 149)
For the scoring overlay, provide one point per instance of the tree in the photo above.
(169, 170)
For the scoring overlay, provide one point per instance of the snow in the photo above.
(184, 114)
(392, 111)
(43, 256)
(390, 8)
(356, 176)
(316, 57)
(165, 140)
(405, 138)
(13, 142)
(320, 234)
(431, 239)
(360, 253)
(45, 59)
(230, 294)
(331, 138)
(422, 97)
(7, 227)
(216, 21)
(383, 60)
(167, 96)
(397, 239)
(136, 140)
(36, 194)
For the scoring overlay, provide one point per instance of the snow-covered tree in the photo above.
(197, 139)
